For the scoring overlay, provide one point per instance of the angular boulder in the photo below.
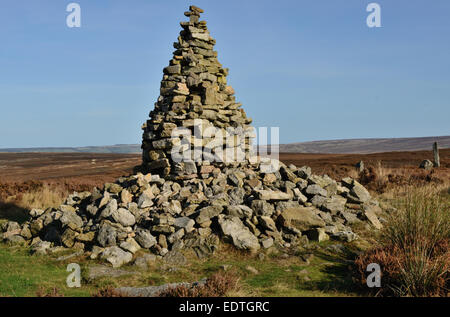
(358, 193)
(242, 238)
(124, 217)
(116, 256)
(316, 190)
(370, 214)
(206, 213)
(107, 236)
(273, 195)
(130, 245)
(185, 223)
(301, 218)
(145, 238)
(71, 220)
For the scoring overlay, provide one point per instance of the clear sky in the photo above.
(312, 68)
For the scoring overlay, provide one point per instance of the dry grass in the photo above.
(43, 197)
(16, 200)
(423, 215)
(383, 179)
(414, 249)
(353, 173)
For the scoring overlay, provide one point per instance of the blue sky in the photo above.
(312, 68)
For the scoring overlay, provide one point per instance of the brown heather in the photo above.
(218, 285)
(414, 251)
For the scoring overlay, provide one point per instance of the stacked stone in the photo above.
(246, 207)
(195, 97)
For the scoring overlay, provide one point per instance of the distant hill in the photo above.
(118, 149)
(364, 146)
(349, 146)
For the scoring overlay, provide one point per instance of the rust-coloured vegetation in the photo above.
(218, 285)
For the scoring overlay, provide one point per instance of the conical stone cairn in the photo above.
(196, 121)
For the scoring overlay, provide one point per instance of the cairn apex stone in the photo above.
(193, 8)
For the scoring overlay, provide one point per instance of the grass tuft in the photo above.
(414, 253)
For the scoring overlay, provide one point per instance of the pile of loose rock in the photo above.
(243, 206)
(171, 206)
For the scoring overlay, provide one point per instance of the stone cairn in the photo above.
(171, 207)
(195, 100)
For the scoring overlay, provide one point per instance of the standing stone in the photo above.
(437, 162)
(360, 166)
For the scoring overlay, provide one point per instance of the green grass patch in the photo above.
(22, 274)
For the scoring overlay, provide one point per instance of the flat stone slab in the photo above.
(153, 291)
(99, 271)
(67, 257)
